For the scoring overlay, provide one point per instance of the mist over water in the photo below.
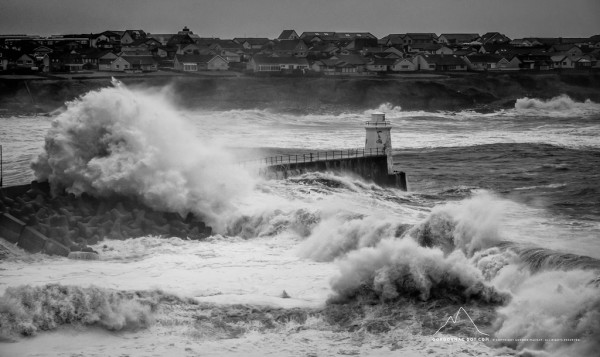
(500, 213)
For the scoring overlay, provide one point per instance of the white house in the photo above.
(195, 63)
(277, 64)
(404, 65)
(562, 61)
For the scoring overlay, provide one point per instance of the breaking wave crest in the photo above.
(562, 105)
(395, 268)
(469, 225)
(27, 310)
(541, 259)
(130, 142)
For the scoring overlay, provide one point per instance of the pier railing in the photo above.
(313, 156)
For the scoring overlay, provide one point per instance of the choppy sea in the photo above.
(494, 250)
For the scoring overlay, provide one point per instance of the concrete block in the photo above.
(32, 240)
(53, 247)
(11, 227)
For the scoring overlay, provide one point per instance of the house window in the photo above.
(117, 66)
(432, 66)
(564, 63)
(126, 66)
(405, 66)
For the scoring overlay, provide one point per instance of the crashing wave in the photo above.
(469, 225)
(27, 310)
(562, 105)
(133, 143)
(553, 313)
(402, 268)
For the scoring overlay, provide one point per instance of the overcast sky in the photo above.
(267, 18)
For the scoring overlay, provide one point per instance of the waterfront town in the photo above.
(307, 53)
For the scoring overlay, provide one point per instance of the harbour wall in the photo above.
(371, 168)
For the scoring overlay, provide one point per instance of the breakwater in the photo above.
(63, 224)
(371, 165)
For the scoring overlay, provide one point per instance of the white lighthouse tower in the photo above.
(379, 138)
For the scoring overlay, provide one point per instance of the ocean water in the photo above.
(494, 250)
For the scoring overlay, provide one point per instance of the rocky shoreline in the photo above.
(487, 91)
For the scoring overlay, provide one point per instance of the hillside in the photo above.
(481, 91)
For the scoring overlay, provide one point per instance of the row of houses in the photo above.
(326, 52)
(359, 65)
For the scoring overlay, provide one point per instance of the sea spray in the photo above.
(556, 105)
(26, 310)
(344, 232)
(469, 225)
(134, 143)
(557, 312)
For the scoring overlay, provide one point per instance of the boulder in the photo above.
(11, 227)
(53, 247)
(32, 241)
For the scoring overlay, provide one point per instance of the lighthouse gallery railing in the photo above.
(313, 156)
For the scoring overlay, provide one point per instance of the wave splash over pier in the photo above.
(134, 143)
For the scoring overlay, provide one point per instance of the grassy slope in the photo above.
(466, 91)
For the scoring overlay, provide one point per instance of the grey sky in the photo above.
(267, 18)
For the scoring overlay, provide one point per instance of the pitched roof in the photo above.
(145, 60)
(353, 35)
(485, 58)
(279, 60)
(444, 60)
(489, 36)
(135, 34)
(394, 38)
(286, 45)
(460, 37)
(286, 34)
(323, 35)
(353, 59)
(422, 36)
(564, 47)
(253, 41)
(426, 46)
(162, 37)
(195, 58)
(383, 61)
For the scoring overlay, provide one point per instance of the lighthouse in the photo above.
(379, 138)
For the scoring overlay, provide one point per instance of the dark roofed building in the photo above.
(483, 62)
(494, 37)
(288, 35)
(130, 36)
(440, 63)
(415, 38)
(393, 39)
(318, 36)
(296, 48)
(458, 38)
